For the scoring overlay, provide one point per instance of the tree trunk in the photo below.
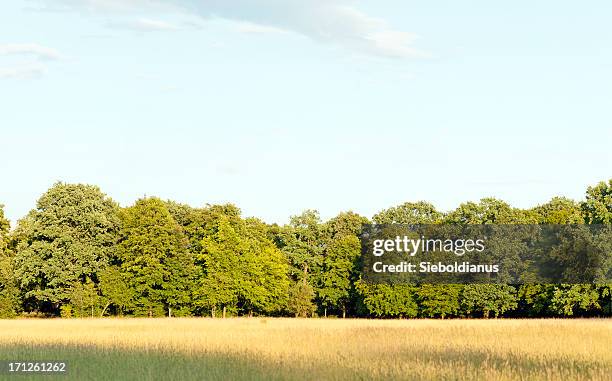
(325, 311)
(212, 312)
(223, 312)
(104, 309)
(343, 312)
(169, 312)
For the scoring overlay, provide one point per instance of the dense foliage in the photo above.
(79, 254)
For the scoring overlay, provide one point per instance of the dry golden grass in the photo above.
(268, 348)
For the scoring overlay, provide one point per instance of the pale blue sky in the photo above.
(282, 105)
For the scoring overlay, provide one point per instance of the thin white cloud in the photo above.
(146, 25)
(327, 21)
(93, 5)
(38, 51)
(27, 71)
(250, 28)
(395, 43)
(336, 22)
(35, 59)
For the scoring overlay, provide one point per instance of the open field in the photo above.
(314, 349)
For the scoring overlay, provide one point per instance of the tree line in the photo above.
(79, 254)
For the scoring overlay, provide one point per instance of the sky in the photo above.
(284, 105)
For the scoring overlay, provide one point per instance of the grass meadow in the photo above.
(312, 349)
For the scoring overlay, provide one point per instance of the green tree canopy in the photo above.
(115, 290)
(384, 300)
(78, 254)
(303, 242)
(300, 303)
(420, 212)
(598, 205)
(241, 268)
(560, 210)
(4, 229)
(569, 299)
(154, 259)
(345, 223)
(439, 300)
(338, 272)
(68, 238)
(485, 299)
(489, 211)
(9, 293)
(9, 298)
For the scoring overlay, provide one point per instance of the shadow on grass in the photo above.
(94, 363)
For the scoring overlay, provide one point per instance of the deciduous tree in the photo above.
(598, 204)
(486, 299)
(154, 259)
(338, 272)
(420, 212)
(67, 239)
(240, 268)
(439, 300)
(560, 210)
